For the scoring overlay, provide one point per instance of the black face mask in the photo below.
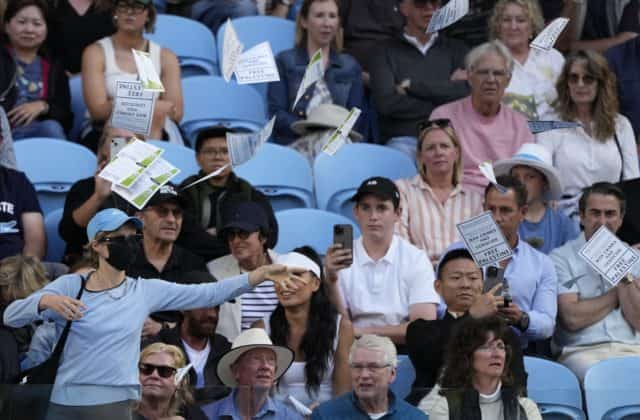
(123, 251)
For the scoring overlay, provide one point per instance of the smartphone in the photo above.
(343, 234)
(117, 144)
(494, 276)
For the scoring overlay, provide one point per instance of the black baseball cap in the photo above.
(244, 215)
(381, 187)
(166, 193)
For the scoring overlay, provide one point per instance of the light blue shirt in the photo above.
(553, 230)
(271, 409)
(100, 358)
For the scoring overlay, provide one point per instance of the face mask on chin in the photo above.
(123, 252)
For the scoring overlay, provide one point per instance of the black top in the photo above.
(188, 412)
(9, 363)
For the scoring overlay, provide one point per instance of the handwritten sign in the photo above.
(484, 240)
(448, 15)
(608, 255)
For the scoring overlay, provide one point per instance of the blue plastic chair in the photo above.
(282, 174)
(78, 107)
(554, 388)
(55, 244)
(338, 177)
(209, 100)
(313, 227)
(405, 375)
(52, 166)
(191, 41)
(612, 389)
(179, 156)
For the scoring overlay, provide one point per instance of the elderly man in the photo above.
(372, 360)
(598, 321)
(251, 368)
(486, 129)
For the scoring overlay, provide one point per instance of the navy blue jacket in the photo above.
(624, 61)
(347, 407)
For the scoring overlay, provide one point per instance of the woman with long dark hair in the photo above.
(307, 322)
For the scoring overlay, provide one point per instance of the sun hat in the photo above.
(324, 116)
(108, 220)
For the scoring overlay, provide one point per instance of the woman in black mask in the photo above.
(98, 377)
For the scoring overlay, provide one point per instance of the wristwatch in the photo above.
(627, 279)
(523, 323)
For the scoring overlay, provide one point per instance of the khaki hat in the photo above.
(253, 338)
(324, 116)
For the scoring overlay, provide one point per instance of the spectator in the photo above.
(532, 87)
(317, 27)
(9, 363)
(543, 227)
(372, 361)
(624, 63)
(598, 321)
(476, 381)
(246, 228)
(196, 336)
(459, 283)
(214, 13)
(434, 201)
(109, 331)
(7, 154)
(529, 273)
(41, 102)
(602, 148)
(473, 28)
(162, 397)
(204, 201)
(383, 282)
(111, 59)
(252, 367)
(413, 73)
(486, 129)
(307, 322)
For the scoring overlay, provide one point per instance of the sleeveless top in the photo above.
(293, 381)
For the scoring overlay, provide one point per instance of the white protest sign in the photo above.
(540, 126)
(243, 146)
(130, 163)
(313, 73)
(549, 35)
(486, 168)
(447, 15)
(339, 137)
(231, 50)
(156, 175)
(133, 107)
(608, 255)
(147, 72)
(257, 65)
(204, 178)
(484, 240)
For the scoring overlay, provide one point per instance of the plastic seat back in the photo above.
(55, 244)
(179, 156)
(612, 384)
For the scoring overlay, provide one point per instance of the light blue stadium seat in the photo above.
(554, 388)
(338, 177)
(405, 375)
(52, 166)
(313, 227)
(209, 100)
(78, 107)
(55, 244)
(191, 41)
(612, 389)
(282, 174)
(179, 156)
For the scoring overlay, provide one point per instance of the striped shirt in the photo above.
(426, 222)
(258, 303)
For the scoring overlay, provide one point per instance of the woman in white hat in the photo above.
(544, 228)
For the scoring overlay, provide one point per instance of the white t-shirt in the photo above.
(198, 358)
(379, 293)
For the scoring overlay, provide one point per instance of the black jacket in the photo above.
(9, 362)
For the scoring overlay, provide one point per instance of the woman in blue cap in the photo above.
(97, 377)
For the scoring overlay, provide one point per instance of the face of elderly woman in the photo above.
(157, 373)
(489, 359)
(438, 154)
(489, 78)
(515, 28)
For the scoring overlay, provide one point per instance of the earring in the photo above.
(115, 18)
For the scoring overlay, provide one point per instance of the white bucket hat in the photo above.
(324, 116)
(253, 338)
(535, 156)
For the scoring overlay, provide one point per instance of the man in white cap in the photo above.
(543, 227)
(251, 368)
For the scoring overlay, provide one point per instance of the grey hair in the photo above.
(496, 46)
(376, 343)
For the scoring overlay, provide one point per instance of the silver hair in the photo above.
(376, 343)
(496, 46)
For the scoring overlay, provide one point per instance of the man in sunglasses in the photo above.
(414, 73)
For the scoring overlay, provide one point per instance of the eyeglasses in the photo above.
(375, 368)
(120, 238)
(163, 371)
(438, 122)
(486, 73)
(164, 211)
(587, 79)
(242, 234)
(134, 7)
(215, 151)
(496, 346)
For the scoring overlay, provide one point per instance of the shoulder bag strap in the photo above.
(615, 137)
(57, 351)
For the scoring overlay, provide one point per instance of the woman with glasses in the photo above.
(603, 147)
(475, 384)
(97, 377)
(434, 201)
(111, 59)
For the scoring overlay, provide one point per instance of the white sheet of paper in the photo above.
(549, 35)
(204, 178)
(133, 107)
(257, 65)
(339, 137)
(541, 126)
(158, 174)
(143, 153)
(181, 373)
(302, 409)
(313, 73)
(147, 72)
(244, 146)
(484, 239)
(231, 50)
(608, 255)
(130, 163)
(486, 168)
(447, 15)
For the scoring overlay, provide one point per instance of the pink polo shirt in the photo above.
(484, 138)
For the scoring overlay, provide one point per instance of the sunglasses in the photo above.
(135, 7)
(164, 211)
(438, 122)
(120, 238)
(587, 79)
(163, 371)
(242, 234)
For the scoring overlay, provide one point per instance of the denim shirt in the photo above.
(348, 407)
(271, 409)
(343, 77)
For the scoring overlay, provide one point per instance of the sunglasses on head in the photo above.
(163, 371)
(438, 122)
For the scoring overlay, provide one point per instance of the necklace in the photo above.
(109, 291)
